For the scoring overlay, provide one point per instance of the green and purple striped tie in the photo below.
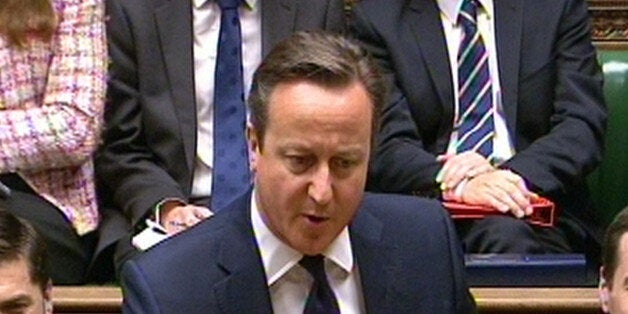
(475, 124)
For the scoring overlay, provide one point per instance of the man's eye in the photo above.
(17, 308)
(298, 163)
(343, 163)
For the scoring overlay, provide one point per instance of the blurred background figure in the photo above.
(25, 286)
(613, 287)
(52, 89)
(174, 149)
(493, 103)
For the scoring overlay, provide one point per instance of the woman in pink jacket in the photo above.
(52, 90)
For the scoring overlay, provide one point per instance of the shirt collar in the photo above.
(451, 8)
(278, 258)
(251, 4)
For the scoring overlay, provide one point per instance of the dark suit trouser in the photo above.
(69, 254)
(501, 234)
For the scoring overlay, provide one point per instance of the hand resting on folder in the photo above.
(473, 179)
(473, 189)
(544, 212)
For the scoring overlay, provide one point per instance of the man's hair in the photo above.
(610, 246)
(19, 240)
(325, 59)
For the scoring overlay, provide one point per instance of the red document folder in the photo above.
(544, 213)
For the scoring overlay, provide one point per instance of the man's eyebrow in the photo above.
(17, 301)
(351, 150)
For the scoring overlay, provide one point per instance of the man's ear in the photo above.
(603, 292)
(253, 142)
(47, 294)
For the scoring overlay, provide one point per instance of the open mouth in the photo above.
(316, 219)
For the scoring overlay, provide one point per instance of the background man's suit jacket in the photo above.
(406, 248)
(150, 140)
(551, 91)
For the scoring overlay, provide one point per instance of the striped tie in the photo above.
(475, 123)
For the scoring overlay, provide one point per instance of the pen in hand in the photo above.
(5, 191)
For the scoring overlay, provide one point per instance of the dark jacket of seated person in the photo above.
(541, 132)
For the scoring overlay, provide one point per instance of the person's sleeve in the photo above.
(125, 165)
(63, 130)
(400, 163)
(138, 296)
(464, 301)
(574, 145)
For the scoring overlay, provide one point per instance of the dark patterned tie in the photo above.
(321, 299)
(475, 123)
(231, 171)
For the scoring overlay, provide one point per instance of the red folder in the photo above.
(544, 213)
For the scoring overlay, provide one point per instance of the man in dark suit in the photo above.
(614, 269)
(315, 107)
(156, 159)
(25, 283)
(548, 111)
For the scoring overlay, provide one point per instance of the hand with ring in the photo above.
(501, 189)
(459, 167)
(176, 217)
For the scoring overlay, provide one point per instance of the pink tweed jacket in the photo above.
(52, 98)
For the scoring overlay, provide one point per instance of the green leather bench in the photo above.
(609, 183)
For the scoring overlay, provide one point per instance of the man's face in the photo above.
(617, 290)
(311, 169)
(18, 294)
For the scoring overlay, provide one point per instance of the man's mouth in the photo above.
(316, 219)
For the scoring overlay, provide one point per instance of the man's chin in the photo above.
(311, 247)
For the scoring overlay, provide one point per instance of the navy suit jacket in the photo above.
(149, 145)
(406, 249)
(551, 94)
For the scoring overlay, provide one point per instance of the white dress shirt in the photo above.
(289, 283)
(502, 143)
(206, 25)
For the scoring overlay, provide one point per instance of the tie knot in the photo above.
(229, 4)
(314, 265)
(468, 11)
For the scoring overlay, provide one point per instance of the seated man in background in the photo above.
(174, 148)
(614, 271)
(495, 102)
(307, 239)
(25, 285)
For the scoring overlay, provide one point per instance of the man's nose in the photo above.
(320, 189)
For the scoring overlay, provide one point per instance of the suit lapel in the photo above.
(508, 28)
(174, 25)
(426, 26)
(278, 25)
(244, 290)
(374, 267)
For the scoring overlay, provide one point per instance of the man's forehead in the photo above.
(296, 144)
(15, 280)
(309, 100)
(623, 244)
(15, 267)
(621, 273)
